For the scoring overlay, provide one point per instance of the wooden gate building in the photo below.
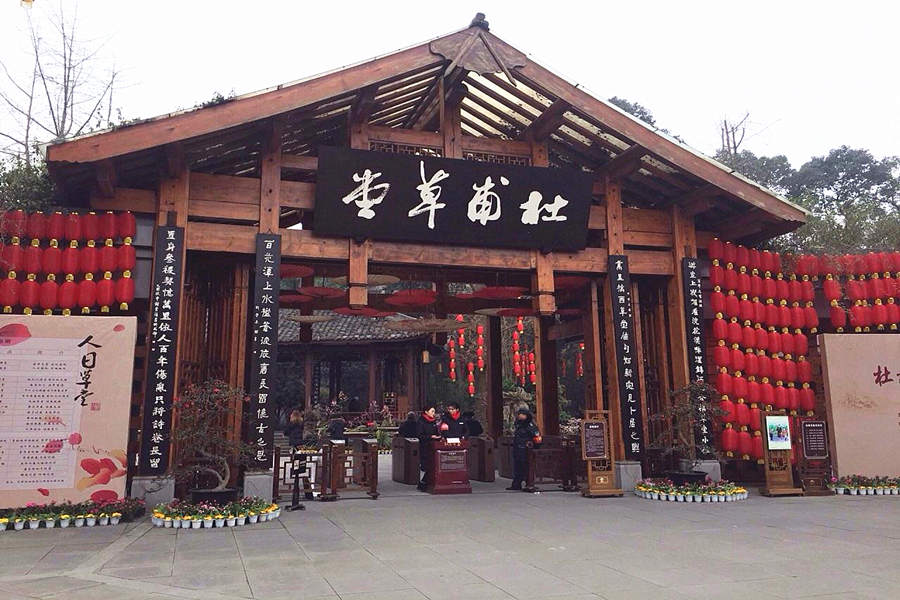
(227, 171)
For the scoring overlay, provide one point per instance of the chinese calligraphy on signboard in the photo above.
(264, 345)
(163, 337)
(377, 195)
(696, 345)
(65, 397)
(626, 357)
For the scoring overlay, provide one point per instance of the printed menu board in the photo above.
(65, 395)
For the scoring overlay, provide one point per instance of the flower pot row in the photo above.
(867, 491)
(210, 521)
(717, 497)
(666, 490)
(62, 521)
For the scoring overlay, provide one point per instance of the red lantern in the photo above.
(801, 344)
(31, 257)
(767, 393)
(857, 317)
(74, 231)
(87, 293)
(9, 292)
(810, 318)
(807, 400)
(784, 315)
(68, 295)
(755, 417)
(107, 226)
(756, 286)
(88, 258)
(737, 359)
(748, 337)
(879, 314)
(742, 257)
(734, 333)
(808, 293)
(753, 396)
(762, 338)
(106, 293)
(838, 317)
(716, 276)
(108, 261)
(29, 294)
(798, 317)
(731, 280)
(756, 449)
(125, 291)
(787, 343)
(716, 302)
(745, 444)
(37, 226)
(778, 370)
(727, 407)
(745, 308)
(70, 258)
(765, 365)
(49, 294)
(719, 329)
(724, 383)
(722, 355)
(742, 414)
(716, 249)
(739, 387)
(125, 257)
(11, 257)
(771, 314)
(793, 395)
(51, 258)
(732, 306)
(751, 363)
(781, 397)
(126, 225)
(893, 314)
(782, 291)
(804, 371)
(795, 290)
(729, 441)
(730, 253)
(90, 226)
(56, 226)
(774, 343)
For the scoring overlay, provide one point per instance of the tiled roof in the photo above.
(347, 329)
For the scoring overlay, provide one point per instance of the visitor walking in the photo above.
(427, 432)
(294, 429)
(525, 436)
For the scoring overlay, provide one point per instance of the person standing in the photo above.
(410, 427)
(294, 429)
(452, 423)
(525, 436)
(473, 425)
(427, 433)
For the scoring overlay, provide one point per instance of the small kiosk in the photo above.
(449, 472)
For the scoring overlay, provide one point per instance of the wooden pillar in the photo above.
(359, 274)
(593, 367)
(616, 245)
(373, 376)
(307, 379)
(684, 245)
(409, 365)
(494, 366)
(546, 385)
(270, 178)
(451, 124)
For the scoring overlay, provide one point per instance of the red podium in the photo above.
(449, 468)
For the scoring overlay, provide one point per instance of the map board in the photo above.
(65, 397)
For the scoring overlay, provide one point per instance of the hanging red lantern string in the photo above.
(49, 294)
(70, 259)
(11, 257)
(106, 293)
(125, 290)
(29, 294)
(68, 295)
(107, 226)
(461, 333)
(451, 368)
(87, 293)
(51, 258)
(9, 292)
(532, 376)
(89, 258)
(470, 377)
(479, 346)
(36, 229)
(31, 257)
(579, 361)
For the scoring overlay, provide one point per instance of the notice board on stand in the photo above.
(65, 399)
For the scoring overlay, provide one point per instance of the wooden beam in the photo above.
(363, 104)
(156, 132)
(270, 178)
(542, 284)
(358, 271)
(105, 175)
(173, 195)
(547, 122)
(624, 164)
(565, 330)
(405, 136)
(299, 163)
(138, 201)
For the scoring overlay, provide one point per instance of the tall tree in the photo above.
(65, 90)
(635, 110)
(854, 200)
(774, 172)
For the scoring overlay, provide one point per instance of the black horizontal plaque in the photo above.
(378, 195)
(815, 440)
(593, 440)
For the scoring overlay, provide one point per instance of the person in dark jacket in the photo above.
(526, 436)
(473, 426)
(335, 429)
(410, 427)
(294, 429)
(427, 432)
(452, 423)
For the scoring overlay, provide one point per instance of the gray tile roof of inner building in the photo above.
(342, 329)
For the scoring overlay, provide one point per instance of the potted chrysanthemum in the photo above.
(4, 522)
(64, 520)
(18, 523)
(114, 518)
(230, 519)
(90, 519)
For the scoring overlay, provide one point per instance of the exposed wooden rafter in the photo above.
(625, 163)
(547, 122)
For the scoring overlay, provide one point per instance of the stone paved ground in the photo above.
(488, 545)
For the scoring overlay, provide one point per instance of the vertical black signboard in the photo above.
(168, 272)
(626, 357)
(264, 346)
(696, 344)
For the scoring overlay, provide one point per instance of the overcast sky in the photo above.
(812, 75)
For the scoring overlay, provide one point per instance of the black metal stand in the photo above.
(296, 468)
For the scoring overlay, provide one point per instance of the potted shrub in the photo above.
(79, 520)
(241, 519)
(64, 520)
(18, 523)
(219, 519)
(114, 518)
(680, 419)
(4, 522)
(205, 450)
(34, 521)
(49, 520)
(230, 520)
(90, 519)
(103, 519)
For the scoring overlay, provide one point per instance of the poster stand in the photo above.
(598, 455)
(777, 465)
(814, 465)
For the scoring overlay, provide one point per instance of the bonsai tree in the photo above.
(205, 447)
(680, 419)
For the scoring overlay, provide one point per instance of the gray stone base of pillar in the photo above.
(259, 483)
(153, 490)
(711, 468)
(628, 473)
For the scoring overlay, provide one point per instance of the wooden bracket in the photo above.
(624, 164)
(106, 178)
